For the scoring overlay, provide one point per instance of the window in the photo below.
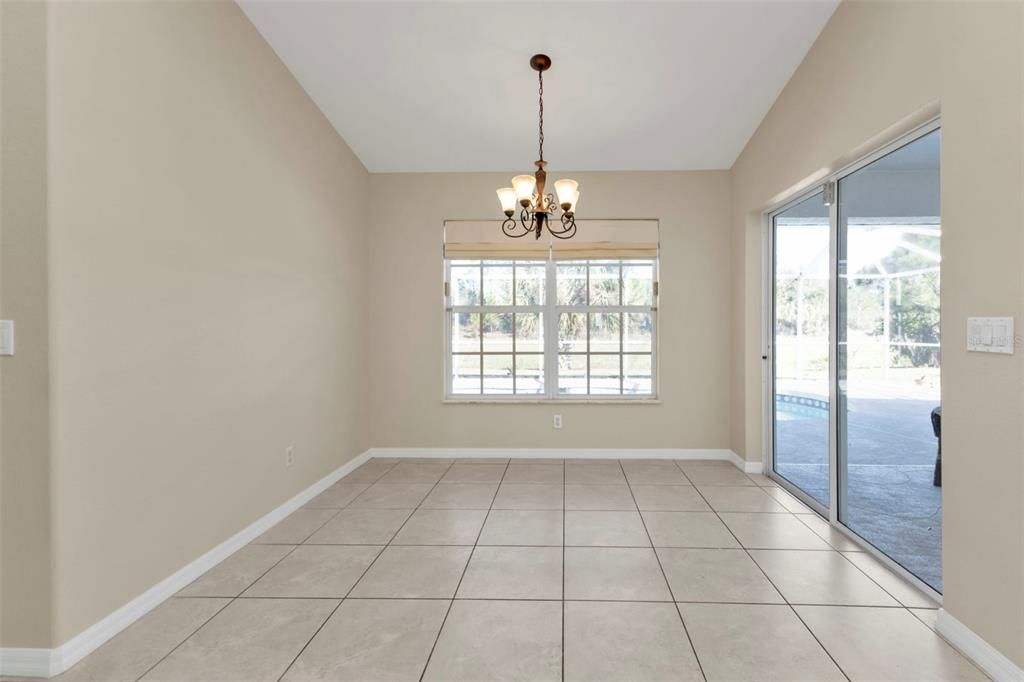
(531, 328)
(496, 329)
(605, 339)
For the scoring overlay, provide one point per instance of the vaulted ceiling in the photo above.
(446, 86)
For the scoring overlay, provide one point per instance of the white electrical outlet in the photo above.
(289, 455)
(557, 421)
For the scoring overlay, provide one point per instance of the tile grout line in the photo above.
(187, 637)
(356, 582)
(541, 509)
(770, 581)
(232, 600)
(580, 599)
(664, 576)
(563, 571)
(465, 568)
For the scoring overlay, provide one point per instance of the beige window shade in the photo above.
(464, 239)
(472, 239)
(609, 239)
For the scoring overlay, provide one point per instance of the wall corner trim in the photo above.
(746, 466)
(981, 653)
(50, 662)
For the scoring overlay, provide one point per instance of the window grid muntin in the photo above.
(550, 314)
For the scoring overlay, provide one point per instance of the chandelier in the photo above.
(537, 208)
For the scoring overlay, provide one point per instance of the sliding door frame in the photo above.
(828, 184)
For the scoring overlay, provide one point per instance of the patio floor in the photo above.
(891, 501)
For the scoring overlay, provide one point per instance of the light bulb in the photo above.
(507, 197)
(524, 185)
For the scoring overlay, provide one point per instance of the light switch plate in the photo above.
(990, 335)
(6, 337)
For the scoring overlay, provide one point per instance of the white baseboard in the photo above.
(575, 453)
(49, 662)
(563, 453)
(27, 662)
(970, 644)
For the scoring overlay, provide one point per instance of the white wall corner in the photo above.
(970, 644)
(744, 465)
(50, 662)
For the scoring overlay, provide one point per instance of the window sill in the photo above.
(552, 401)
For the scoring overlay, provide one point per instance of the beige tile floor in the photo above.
(541, 570)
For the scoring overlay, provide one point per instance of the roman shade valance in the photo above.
(599, 239)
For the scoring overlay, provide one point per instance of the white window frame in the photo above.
(550, 312)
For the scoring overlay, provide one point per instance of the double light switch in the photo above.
(990, 334)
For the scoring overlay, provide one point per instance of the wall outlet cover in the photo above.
(6, 337)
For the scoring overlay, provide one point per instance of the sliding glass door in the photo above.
(854, 397)
(800, 301)
(888, 356)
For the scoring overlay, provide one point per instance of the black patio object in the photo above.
(937, 428)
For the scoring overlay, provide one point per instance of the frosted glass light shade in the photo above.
(572, 202)
(524, 186)
(566, 189)
(507, 197)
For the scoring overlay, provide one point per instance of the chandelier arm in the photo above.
(568, 233)
(528, 221)
(509, 228)
(568, 227)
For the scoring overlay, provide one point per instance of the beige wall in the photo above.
(406, 325)
(873, 66)
(24, 384)
(205, 239)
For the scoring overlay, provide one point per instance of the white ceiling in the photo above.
(446, 86)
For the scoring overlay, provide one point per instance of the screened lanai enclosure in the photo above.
(882, 238)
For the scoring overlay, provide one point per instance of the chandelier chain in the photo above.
(540, 93)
